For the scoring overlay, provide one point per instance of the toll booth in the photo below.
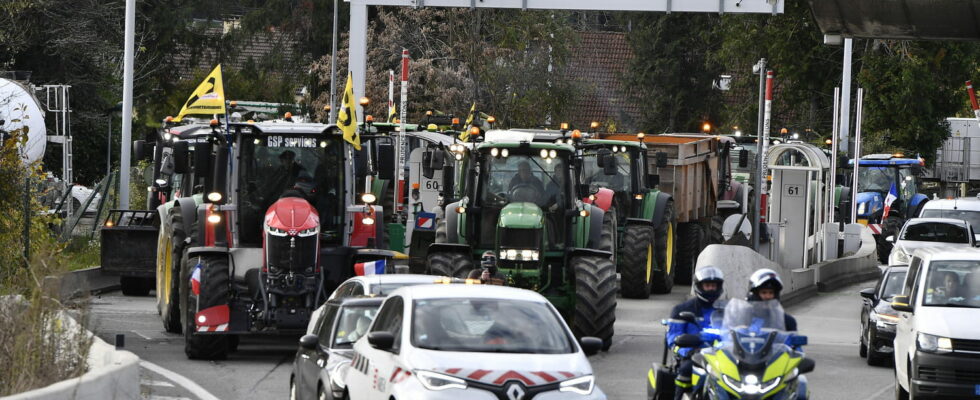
(797, 204)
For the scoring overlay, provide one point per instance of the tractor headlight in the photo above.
(582, 385)
(520, 255)
(275, 231)
(369, 198)
(436, 381)
(862, 208)
(308, 232)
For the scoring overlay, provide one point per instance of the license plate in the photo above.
(863, 222)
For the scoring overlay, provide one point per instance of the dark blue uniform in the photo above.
(678, 327)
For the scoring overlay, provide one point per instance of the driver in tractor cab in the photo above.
(488, 272)
(524, 177)
(708, 286)
(303, 188)
(764, 285)
(553, 190)
(285, 176)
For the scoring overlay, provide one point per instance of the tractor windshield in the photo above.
(594, 175)
(875, 179)
(538, 176)
(308, 166)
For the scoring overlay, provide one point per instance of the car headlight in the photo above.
(934, 344)
(862, 208)
(436, 381)
(582, 385)
(750, 384)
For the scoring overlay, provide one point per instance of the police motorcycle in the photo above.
(753, 356)
(661, 384)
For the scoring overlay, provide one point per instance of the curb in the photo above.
(83, 282)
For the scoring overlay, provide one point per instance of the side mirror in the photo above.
(426, 163)
(381, 340)
(868, 293)
(386, 161)
(219, 174)
(661, 159)
(890, 238)
(181, 154)
(361, 161)
(202, 159)
(687, 340)
(806, 365)
(590, 345)
(902, 303)
(688, 317)
(698, 360)
(308, 342)
(438, 159)
(652, 180)
(743, 158)
(139, 149)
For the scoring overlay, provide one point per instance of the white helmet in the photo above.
(765, 278)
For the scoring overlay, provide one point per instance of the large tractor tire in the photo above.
(214, 291)
(638, 262)
(665, 250)
(595, 298)
(168, 286)
(442, 230)
(452, 264)
(134, 286)
(690, 239)
(607, 240)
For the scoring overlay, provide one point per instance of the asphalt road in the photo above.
(261, 367)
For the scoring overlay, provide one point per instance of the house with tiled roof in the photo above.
(598, 66)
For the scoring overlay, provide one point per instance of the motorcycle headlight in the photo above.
(436, 381)
(934, 344)
(750, 384)
(862, 208)
(582, 385)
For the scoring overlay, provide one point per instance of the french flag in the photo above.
(889, 199)
(370, 268)
(196, 279)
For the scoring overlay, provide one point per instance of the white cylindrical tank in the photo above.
(20, 110)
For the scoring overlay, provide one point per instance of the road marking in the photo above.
(882, 391)
(179, 379)
(155, 397)
(142, 335)
(151, 382)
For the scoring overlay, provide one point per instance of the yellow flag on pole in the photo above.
(465, 135)
(208, 98)
(392, 114)
(347, 117)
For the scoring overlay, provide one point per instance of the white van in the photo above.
(937, 339)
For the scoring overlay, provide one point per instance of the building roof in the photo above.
(598, 64)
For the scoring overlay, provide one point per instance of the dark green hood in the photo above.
(521, 216)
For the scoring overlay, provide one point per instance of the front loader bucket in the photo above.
(129, 243)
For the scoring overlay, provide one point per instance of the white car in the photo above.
(472, 342)
(929, 232)
(381, 284)
(937, 338)
(965, 208)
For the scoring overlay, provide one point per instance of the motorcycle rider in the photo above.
(708, 287)
(765, 284)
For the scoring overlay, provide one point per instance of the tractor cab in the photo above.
(880, 175)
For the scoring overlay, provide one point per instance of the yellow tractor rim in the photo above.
(164, 286)
(649, 261)
(670, 247)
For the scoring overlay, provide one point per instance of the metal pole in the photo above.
(845, 114)
(833, 157)
(27, 222)
(357, 47)
(857, 154)
(973, 100)
(401, 132)
(757, 210)
(333, 69)
(108, 152)
(127, 111)
(766, 126)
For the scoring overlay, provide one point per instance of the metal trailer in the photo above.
(697, 175)
(957, 166)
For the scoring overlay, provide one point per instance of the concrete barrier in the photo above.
(861, 266)
(739, 262)
(81, 282)
(112, 374)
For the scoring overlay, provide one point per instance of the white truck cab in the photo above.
(937, 339)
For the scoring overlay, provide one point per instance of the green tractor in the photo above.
(520, 201)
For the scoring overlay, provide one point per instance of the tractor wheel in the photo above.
(595, 298)
(442, 230)
(717, 225)
(664, 250)
(689, 240)
(607, 240)
(214, 291)
(168, 288)
(452, 264)
(133, 286)
(638, 262)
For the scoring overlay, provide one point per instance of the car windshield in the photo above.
(525, 178)
(936, 232)
(594, 175)
(893, 285)
(953, 284)
(488, 325)
(274, 165)
(875, 179)
(973, 217)
(354, 322)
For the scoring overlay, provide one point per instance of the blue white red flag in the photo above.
(370, 268)
(196, 279)
(889, 199)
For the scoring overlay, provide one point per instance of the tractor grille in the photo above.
(944, 375)
(281, 256)
(511, 238)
